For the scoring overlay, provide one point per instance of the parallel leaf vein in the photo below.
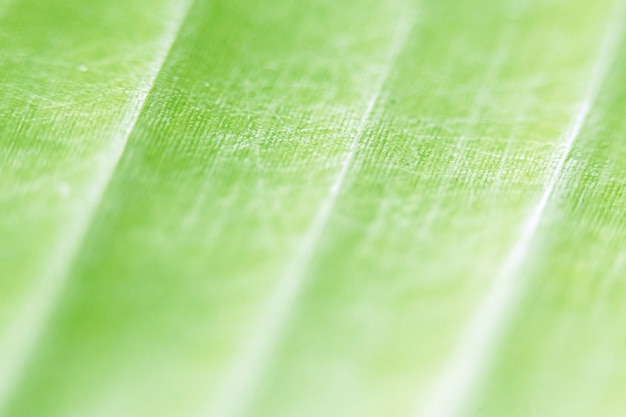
(241, 382)
(478, 342)
(26, 329)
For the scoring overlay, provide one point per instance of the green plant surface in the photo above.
(570, 334)
(74, 77)
(236, 208)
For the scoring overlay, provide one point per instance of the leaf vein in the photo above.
(29, 324)
(251, 363)
(479, 339)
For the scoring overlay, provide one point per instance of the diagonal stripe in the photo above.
(23, 333)
(241, 382)
(481, 336)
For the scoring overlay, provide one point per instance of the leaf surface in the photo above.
(311, 208)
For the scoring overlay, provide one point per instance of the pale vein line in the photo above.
(481, 336)
(26, 329)
(251, 363)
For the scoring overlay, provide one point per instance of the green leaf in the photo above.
(236, 208)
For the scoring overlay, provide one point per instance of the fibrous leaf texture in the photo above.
(305, 208)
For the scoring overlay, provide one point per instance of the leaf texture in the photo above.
(312, 208)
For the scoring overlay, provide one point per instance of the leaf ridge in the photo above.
(241, 382)
(480, 337)
(26, 329)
